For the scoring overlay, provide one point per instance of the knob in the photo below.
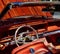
(2, 47)
(32, 50)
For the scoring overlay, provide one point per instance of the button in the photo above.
(32, 50)
(12, 42)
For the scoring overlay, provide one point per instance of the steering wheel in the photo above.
(22, 39)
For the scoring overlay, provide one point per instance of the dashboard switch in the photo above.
(32, 50)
